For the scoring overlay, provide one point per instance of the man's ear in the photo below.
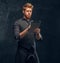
(23, 11)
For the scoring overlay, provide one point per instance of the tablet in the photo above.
(35, 25)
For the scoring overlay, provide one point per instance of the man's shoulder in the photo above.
(18, 21)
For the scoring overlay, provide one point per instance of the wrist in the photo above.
(27, 29)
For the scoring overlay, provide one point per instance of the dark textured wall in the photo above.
(48, 11)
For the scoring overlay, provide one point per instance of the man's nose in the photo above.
(29, 13)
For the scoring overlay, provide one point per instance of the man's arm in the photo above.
(37, 34)
(18, 32)
(24, 32)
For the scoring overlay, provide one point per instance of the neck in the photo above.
(26, 18)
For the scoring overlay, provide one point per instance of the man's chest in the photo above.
(23, 25)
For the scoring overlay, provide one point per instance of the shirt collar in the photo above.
(26, 19)
(30, 21)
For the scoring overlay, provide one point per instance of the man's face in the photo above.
(27, 13)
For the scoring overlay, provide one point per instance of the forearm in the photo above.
(23, 33)
(38, 36)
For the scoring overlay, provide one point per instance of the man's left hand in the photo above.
(37, 30)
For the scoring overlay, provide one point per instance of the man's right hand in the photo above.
(29, 27)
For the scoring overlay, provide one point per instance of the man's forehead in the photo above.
(28, 8)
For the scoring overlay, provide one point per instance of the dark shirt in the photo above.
(28, 40)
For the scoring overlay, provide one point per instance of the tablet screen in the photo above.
(35, 25)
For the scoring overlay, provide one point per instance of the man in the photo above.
(26, 52)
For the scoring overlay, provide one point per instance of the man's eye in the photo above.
(27, 11)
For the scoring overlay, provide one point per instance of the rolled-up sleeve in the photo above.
(16, 30)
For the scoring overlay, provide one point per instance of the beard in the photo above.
(28, 17)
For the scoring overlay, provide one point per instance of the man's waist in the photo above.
(30, 49)
(26, 45)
